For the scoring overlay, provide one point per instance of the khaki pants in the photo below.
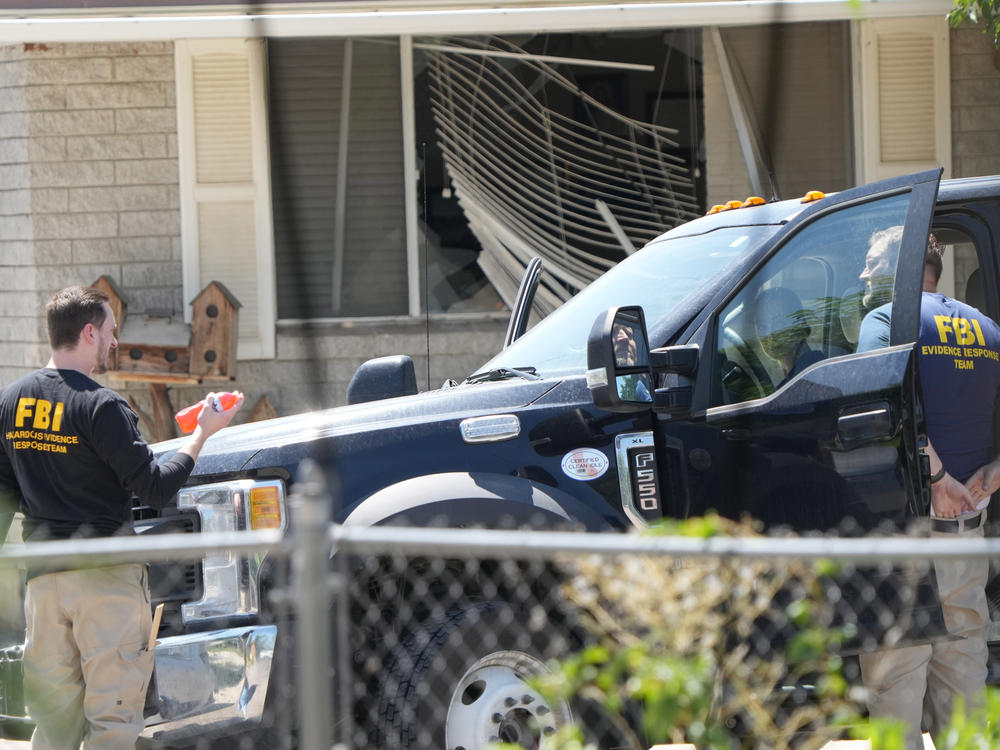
(86, 668)
(922, 681)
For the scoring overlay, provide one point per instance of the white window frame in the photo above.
(258, 191)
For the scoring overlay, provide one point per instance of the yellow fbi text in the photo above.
(40, 412)
(39, 422)
(959, 337)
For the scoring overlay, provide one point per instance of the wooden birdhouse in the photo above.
(159, 350)
(214, 332)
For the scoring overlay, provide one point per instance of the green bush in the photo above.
(705, 646)
(976, 11)
(677, 637)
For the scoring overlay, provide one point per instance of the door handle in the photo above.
(873, 423)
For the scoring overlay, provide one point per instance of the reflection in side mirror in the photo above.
(635, 388)
(618, 371)
(630, 345)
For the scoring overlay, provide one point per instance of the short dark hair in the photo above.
(71, 309)
(932, 259)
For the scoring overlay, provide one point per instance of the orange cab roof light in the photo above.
(813, 195)
(753, 200)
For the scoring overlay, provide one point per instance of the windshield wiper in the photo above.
(502, 373)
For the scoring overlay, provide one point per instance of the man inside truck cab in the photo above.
(783, 330)
(70, 449)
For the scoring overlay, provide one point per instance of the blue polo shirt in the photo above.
(874, 331)
(959, 356)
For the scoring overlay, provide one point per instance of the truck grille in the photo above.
(170, 583)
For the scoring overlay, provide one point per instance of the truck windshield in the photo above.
(659, 278)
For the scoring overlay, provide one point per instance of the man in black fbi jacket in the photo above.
(70, 449)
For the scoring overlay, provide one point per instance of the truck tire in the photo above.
(460, 683)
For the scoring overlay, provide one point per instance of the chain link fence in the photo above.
(458, 638)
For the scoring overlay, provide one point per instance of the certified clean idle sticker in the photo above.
(584, 464)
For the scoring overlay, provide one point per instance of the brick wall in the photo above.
(975, 100)
(88, 182)
(19, 299)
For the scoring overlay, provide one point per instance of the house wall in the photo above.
(726, 175)
(975, 116)
(19, 331)
(315, 363)
(89, 187)
(975, 103)
(88, 171)
(797, 79)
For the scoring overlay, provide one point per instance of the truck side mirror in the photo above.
(618, 371)
(681, 360)
(680, 363)
(621, 367)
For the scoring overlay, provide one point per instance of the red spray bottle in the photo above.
(187, 418)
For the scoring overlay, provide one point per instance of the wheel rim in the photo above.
(493, 703)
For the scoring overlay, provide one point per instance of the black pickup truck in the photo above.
(661, 390)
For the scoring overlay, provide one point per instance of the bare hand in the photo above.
(984, 481)
(211, 421)
(950, 498)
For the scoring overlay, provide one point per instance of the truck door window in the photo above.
(808, 300)
(961, 277)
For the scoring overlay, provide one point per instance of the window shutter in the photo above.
(903, 97)
(226, 227)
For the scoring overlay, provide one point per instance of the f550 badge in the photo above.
(584, 464)
(639, 477)
(645, 484)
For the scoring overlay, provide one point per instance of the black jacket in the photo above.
(73, 451)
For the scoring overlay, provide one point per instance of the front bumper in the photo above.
(207, 682)
(203, 684)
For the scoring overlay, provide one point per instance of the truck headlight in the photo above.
(231, 582)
